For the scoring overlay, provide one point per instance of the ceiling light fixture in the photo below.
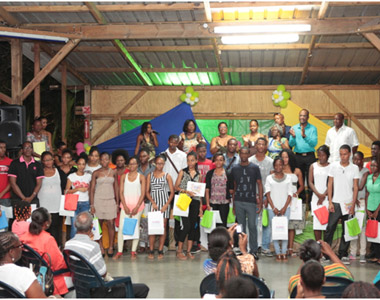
(262, 28)
(260, 39)
(32, 36)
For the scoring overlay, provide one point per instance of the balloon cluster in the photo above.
(190, 97)
(280, 96)
(80, 147)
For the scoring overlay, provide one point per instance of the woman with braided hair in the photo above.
(22, 211)
(20, 278)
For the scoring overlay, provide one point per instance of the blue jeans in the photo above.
(243, 211)
(276, 243)
(82, 206)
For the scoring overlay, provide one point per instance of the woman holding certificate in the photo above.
(189, 174)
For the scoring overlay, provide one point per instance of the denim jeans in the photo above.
(276, 243)
(243, 211)
(82, 206)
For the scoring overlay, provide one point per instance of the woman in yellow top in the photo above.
(251, 138)
(219, 143)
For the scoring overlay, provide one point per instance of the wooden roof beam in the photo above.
(188, 30)
(167, 6)
(321, 16)
(5, 98)
(175, 48)
(50, 66)
(119, 45)
(228, 70)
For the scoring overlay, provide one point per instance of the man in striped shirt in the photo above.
(90, 250)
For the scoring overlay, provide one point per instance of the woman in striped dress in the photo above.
(160, 193)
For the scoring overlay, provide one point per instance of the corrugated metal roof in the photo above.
(205, 59)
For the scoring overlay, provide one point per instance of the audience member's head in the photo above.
(219, 241)
(360, 289)
(41, 220)
(310, 249)
(240, 287)
(228, 267)
(312, 277)
(83, 222)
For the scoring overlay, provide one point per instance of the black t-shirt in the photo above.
(245, 178)
(26, 176)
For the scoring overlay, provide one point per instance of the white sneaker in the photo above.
(345, 260)
(362, 259)
(267, 252)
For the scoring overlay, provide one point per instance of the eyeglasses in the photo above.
(27, 148)
(17, 246)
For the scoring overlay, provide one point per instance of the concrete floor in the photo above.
(171, 278)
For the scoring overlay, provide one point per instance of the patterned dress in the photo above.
(159, 193)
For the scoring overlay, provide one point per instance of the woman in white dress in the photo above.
(318, 176)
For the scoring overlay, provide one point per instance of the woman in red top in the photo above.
(42, 242)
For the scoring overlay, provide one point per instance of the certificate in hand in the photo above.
(197, 188)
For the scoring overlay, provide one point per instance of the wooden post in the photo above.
(87, 102)
(16, 60)
(63, 101)
(37, 94)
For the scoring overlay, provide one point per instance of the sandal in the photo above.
(284, 258)
(189, 255)
(110, 254)
(181, 256)
(151, 254)
(117, 256)
(289, 252)
(278, 257)
(160, 255)
(133, 255)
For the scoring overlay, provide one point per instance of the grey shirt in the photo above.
(266, 166)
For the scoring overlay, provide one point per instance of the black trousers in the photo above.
(190, 223)
(331, 226)
(303, 163)
(55, 228)
(223, 210)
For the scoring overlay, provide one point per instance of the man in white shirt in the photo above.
(340, 135)
(342, 188)
(175, 158)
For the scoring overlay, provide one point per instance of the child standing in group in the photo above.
(160, 193)
(189, 223)
(279, 191)
(318, 176)
(363, 173)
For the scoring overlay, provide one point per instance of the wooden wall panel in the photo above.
(107, 102)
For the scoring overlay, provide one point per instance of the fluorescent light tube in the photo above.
(263, 28)
(33, 36)
(260, 39)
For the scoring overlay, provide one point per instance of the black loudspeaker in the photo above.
(12, 125)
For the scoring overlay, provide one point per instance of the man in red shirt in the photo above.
(5, 187)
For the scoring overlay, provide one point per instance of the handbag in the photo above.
(45, 276)
(3, 221)
(371, 230)
(377, 238)
(71, 201)
(322, 215)
(265, 218)
(177, 211)
(296, 209)
(231, 218)
(183, 201)
(353, 226)
(129, 226)
(96, 229)
(207, 219)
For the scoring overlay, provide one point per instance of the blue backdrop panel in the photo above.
(167, 124)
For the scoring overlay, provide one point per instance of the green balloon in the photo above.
(283, 104)
(281, 87)
(189, 90)
(286, 95)
(183, 97)
(195, 94)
